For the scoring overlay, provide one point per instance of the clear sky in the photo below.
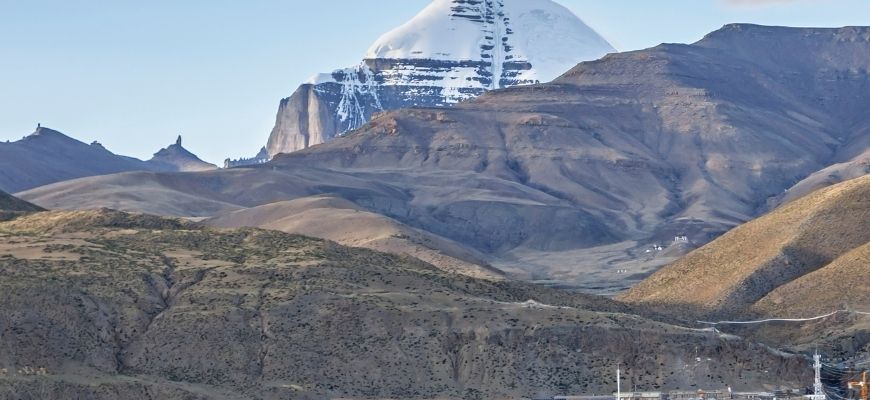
(133, 74)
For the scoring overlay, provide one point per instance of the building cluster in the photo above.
(690, 395)
(261, 158)
(26, 371)
(679, 239)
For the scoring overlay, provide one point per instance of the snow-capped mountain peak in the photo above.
(453, 50)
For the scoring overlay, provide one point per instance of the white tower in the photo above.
(818, 389)
(618, 384)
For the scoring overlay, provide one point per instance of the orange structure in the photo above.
(863, 386)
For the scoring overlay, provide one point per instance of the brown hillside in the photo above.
(341, 221)
(765, 266)
(106, 305)
(840, 284)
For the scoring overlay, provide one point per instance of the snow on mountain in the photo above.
(453, 50)
(543, 33)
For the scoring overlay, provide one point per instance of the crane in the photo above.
(863, 386)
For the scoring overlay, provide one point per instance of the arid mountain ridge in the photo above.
(47, 156)
(176, 158)
(574, 180)
(593, 181)
(779, 265)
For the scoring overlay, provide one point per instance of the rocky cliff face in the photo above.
(452, 51)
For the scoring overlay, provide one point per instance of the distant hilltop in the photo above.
(48, 156)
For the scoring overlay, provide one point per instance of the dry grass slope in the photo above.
(767, 266)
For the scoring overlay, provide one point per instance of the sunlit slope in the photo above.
(802, 258)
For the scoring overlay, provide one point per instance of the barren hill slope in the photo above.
(839, 172)
(12, 207)
(104, 305)
(48, 156)
(344, 222)
(800, 260)
(836, 286)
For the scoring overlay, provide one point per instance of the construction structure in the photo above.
(642, 396)
(818, 392)
(697, 395)
(862, 387)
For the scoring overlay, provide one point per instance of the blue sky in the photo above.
(133, 74)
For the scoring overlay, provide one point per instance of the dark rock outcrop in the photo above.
(175, 158)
